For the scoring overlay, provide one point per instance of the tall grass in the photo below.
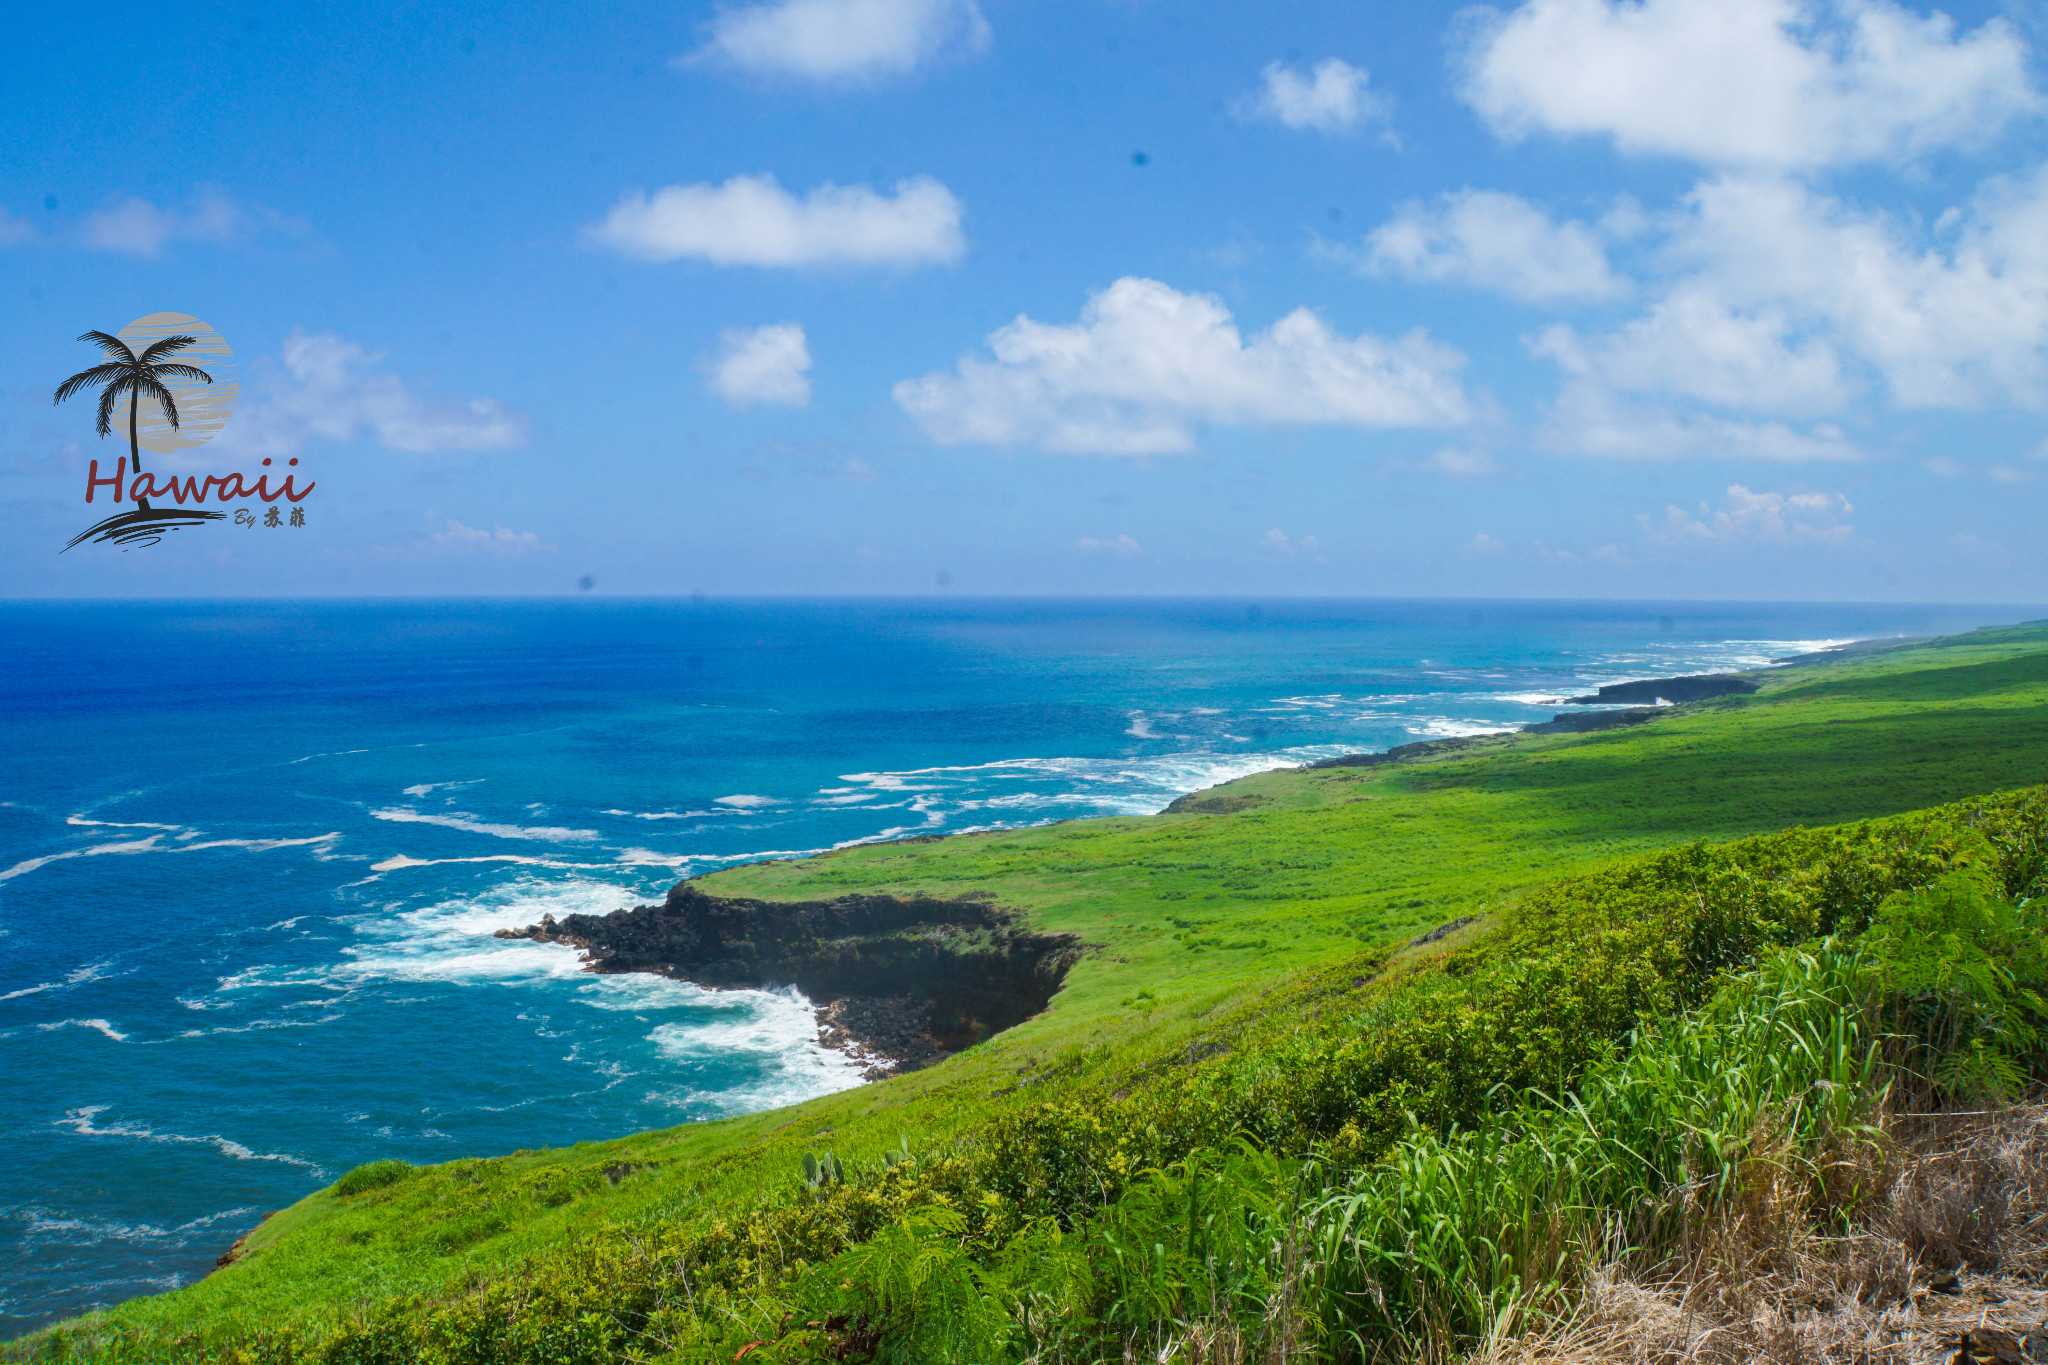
(1475, 1233)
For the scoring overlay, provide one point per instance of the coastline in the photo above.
(895, 983)
(898, 984)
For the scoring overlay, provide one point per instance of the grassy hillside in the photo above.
(1233, 926)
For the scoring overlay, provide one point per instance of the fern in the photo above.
(912, 1294)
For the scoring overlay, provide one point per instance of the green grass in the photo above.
(1195, 922)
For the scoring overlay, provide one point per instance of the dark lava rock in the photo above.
(1694, 687)
(899, 982)
(1195, 803)
(1442, 931)
(1400, 753)
(1593, 720)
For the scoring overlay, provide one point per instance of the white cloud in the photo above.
(752, 220)
(140, 228)
(1787, 83)
(460, 539)
(1785, 302)
(1589, 418)
(1955, 328)
(1691, 344)
(1746, 517)
(14, 228)
(1146, 363)
(1331, 98)
(1453, 460)
(328, 390)
(1494, 241)
(1487, 545)
(843, 41)
(762, 365)
(1122, 545)
(1278, 542)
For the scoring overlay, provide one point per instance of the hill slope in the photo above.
(1202, 930)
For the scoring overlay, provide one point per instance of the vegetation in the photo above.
(1258, 1124)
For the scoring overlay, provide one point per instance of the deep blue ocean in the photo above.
(251, 854)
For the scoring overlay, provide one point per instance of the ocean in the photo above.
(252, 853)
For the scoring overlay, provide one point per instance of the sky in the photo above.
(1564, 298)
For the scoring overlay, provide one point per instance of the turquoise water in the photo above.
(251, 854)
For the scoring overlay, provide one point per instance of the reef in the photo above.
(898, 983)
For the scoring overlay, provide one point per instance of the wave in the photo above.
(62, 1228)
(772, 1033)
(153, 844)
(672, 814)
(647, 857)
(120, 824)
(96, 1025)
(1107, 786)
(426, 788)
(452, 940)
(1444, 727)
(462, 820)
(92, 971)
(400, 861)
(82, 1122)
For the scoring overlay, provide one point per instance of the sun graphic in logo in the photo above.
(203, 408)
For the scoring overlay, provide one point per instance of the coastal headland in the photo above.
(1260, 959)
(899, 982)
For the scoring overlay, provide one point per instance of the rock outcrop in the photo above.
(1580, 722)
(898, 982)
(1650, 691)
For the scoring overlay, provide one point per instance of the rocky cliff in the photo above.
(1650, 691)
(898, 982)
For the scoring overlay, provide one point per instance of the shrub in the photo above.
(373, 1175)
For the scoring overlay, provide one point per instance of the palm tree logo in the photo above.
(138, 377)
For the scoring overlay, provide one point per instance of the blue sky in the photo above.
(1719, 298)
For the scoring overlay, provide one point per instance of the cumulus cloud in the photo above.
(329, 389)
(1333, 97)
(1958, 319)
(1122, 545)
(1783, 301)
(752, 220)
(1779, 83)
(1769, 518)
(1278, 542)
(845, 42)
(1494, 241)
(1146, 363)
(762, 365)
(1456, 460)
(1589, 418)
(139, 228)
(1692, 344)
(460, 539)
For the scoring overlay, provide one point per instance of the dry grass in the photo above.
(1954, 1193)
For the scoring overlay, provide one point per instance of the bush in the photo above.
(1622, 1040)
(374, 1175)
